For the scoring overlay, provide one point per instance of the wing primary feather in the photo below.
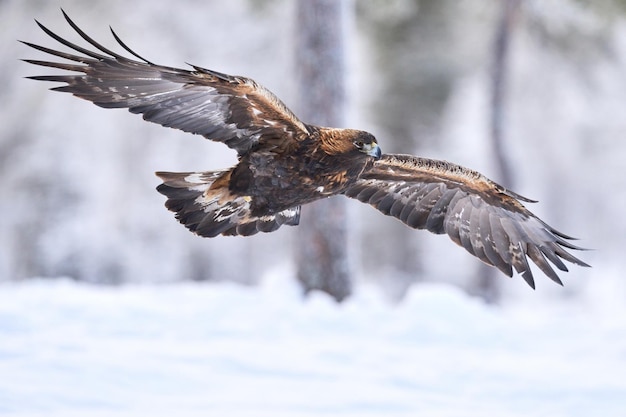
(569, 257)
(549, 252)
(90, 40)
(517, 249)
(68, 67)
(60, 54)
(539, 259)
(556, 232)
(68, 43)
(525, 270)
(127, 48)
(561, 241)
(55, 78)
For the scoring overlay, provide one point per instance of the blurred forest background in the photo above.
(78, 193)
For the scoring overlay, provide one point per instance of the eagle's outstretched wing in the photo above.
(485, 218)
(230, 109)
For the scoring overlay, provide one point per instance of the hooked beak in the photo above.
(373, 150)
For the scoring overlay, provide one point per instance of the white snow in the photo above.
(69, 349)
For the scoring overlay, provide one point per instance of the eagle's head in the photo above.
(366, 143)
(348, 142)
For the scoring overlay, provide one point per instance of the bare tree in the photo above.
(322, 253)
(499, 73)
(486, 283)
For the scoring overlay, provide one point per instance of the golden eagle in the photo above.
(285, 163)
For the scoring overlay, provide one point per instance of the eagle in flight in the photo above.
(284, 163)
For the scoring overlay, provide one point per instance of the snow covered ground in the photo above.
(70, 349)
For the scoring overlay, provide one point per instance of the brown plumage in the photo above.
(285, 163)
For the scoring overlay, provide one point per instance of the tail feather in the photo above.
(204, 204)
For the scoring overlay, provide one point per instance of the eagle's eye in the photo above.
(370, 148)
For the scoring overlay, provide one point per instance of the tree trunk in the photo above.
(499, 73)
(322, 254)
(487, 283)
